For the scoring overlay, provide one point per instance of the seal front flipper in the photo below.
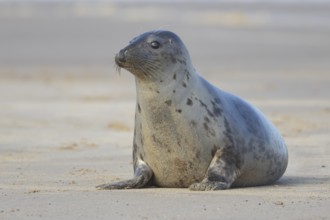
(142, 176)
(222, 172)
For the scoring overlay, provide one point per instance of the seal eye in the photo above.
(155, 44)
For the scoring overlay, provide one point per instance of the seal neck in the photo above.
(175, 86)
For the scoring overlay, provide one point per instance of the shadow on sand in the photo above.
(303, 180)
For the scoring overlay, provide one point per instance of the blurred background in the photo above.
(62, 52)
(249, 35)
(67, 115)
(56, 57)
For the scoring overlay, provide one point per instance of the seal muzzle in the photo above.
(120, 57)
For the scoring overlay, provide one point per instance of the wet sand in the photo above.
(67, 116)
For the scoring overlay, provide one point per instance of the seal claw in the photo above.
(208, 186)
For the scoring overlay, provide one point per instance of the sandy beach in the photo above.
(67, 116)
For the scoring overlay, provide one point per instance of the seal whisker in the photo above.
(151, 67)
(118, 69)
(147, 68)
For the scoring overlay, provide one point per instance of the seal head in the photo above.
(151, 54)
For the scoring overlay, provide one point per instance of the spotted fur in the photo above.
(189, 133)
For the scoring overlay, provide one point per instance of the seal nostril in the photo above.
(120, 57)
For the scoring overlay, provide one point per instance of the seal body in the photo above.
(188, 133)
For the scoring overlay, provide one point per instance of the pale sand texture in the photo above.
(65, 129)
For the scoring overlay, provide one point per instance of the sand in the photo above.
(67, 116)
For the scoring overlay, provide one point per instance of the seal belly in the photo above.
(176, 173)
(176, 163)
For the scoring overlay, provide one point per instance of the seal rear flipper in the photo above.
(222, 172)
(142, 176)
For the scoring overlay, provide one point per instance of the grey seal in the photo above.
(188, 133)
